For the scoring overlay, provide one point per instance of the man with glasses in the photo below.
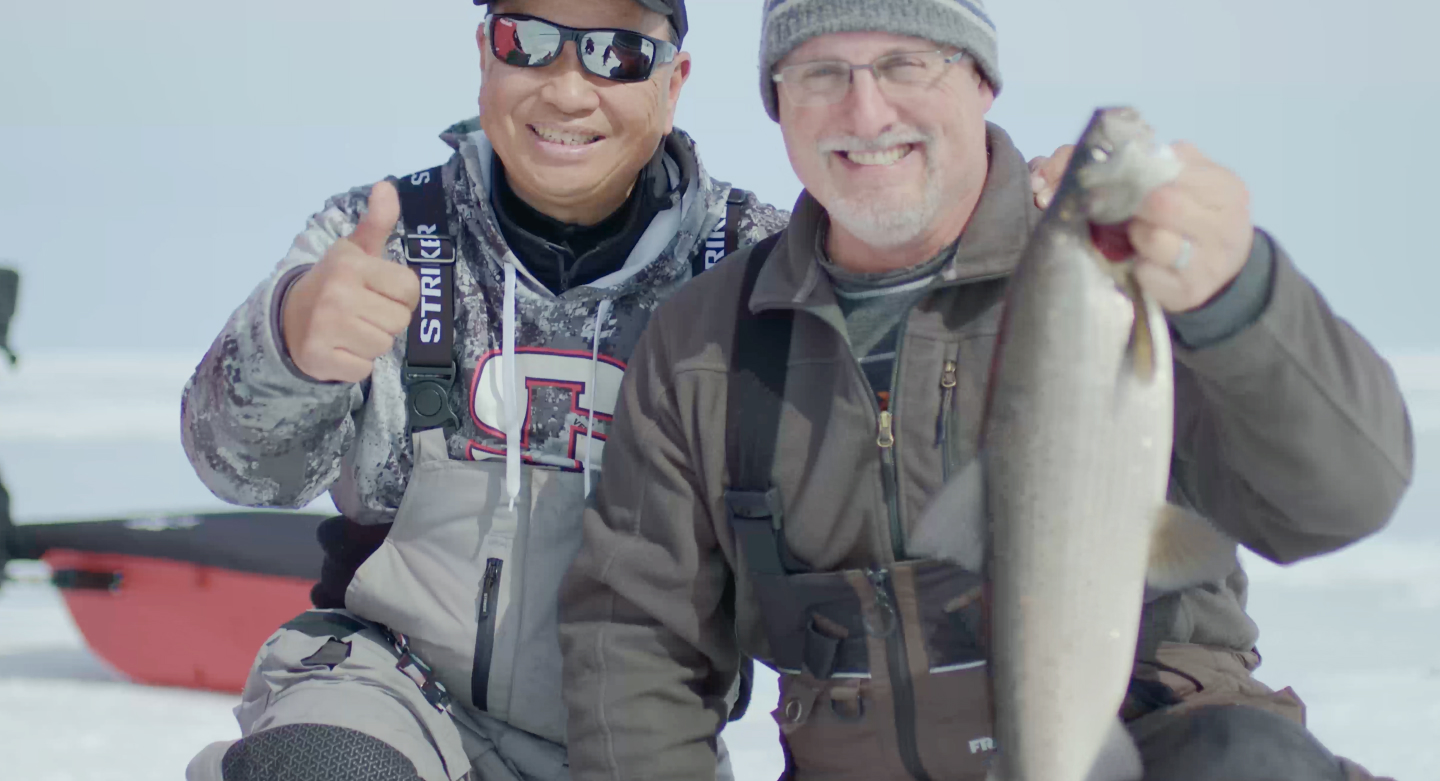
(569, 209)
(785, 420)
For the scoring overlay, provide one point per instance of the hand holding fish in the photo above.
(1192, 236)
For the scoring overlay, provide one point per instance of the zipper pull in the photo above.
(886, 610)
(886, 439)
(488, 584)
(948, 381)
(877, 578)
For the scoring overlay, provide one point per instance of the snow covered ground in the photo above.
(1357, 634)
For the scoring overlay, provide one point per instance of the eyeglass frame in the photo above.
(777, 76)
(665, 51)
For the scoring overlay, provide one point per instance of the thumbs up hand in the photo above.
(346, 311)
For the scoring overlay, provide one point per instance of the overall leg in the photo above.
(1224, 725)
(326, 701)
(1231, 743)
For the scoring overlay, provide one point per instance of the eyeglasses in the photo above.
(617, 55)
(824, 82)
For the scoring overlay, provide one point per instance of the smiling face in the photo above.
(894, 171)
(573, 144)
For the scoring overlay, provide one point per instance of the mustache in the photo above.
(886, 140)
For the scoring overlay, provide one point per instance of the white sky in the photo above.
(157, 156)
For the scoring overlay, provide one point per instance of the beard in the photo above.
(887, 219)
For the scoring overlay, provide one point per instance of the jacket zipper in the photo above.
(948, 380)
(890, 474)
(485, 634)
(885, 439)
(899, 665)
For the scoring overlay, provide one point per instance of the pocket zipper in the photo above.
(949, 378)
(485, 634)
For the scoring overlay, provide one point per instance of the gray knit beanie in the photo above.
(959, 23)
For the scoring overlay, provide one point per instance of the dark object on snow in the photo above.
(9, 294)
(255, 542)
(6, 527)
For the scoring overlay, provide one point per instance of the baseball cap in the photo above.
(673, 9)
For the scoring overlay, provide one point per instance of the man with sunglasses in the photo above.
(786, 419)
(569, 209)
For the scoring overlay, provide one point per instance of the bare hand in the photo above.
(1193, 235)
(1207, 206)
(1046, 173)
(341, 315)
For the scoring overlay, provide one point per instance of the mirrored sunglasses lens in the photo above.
(524, 42)
(617, 56)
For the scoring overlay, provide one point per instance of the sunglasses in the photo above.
(616, 55)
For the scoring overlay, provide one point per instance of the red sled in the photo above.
(180, 600)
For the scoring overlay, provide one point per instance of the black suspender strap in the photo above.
(733, 202)
(429, 370)
(725, 239)
(759, 361)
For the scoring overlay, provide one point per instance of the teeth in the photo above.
(890, 156)
(565, 137)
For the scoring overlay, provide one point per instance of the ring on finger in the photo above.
(1187, 251)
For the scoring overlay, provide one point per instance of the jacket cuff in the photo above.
(1253, 349)
(277, 329)
(1234, 308)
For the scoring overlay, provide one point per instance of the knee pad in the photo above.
(315, 752)
(1237, 743)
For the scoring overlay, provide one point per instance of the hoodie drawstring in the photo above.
(602, 312)
(511, 388)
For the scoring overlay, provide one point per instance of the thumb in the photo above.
(379, 221)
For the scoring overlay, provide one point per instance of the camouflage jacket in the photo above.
(260, 433)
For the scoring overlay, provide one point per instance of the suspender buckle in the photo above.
(429, 248)
(418, 671)
(427, 396)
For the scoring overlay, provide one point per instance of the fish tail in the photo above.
(1187, 549)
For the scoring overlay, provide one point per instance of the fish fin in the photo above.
(1142, 338)
(1119, 758)
(1187, 549)
(953, 526)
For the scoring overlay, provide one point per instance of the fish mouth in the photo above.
(1112, 241)
(882, 158)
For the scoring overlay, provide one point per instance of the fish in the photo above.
(1064, 511)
